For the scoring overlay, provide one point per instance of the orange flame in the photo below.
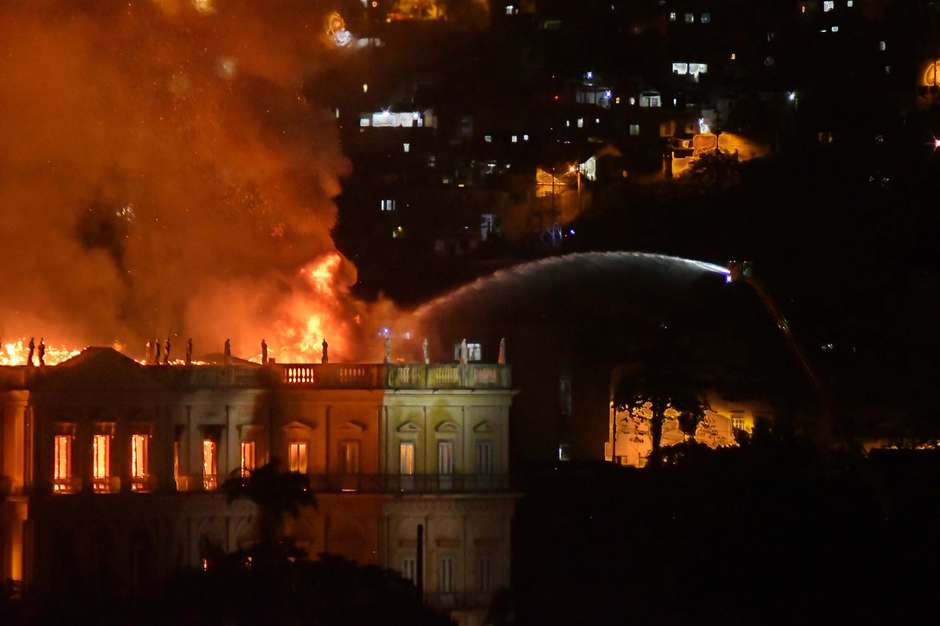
(17, 352)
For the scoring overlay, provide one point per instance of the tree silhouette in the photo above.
(276, 494)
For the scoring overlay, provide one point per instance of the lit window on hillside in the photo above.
(706, 18)
(488, 138)
(835, 29)
(680, 68)
(672, 16)
(828, 5)
(634, 130)
(386, 205)
(690, 18)
(515, 139)
(406, 147)
(882, 46)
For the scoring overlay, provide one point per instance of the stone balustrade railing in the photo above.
(399, 376)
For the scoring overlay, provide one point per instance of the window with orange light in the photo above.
(140, 460)
(210, 464)
(101, 463)
(297, 456)
(176, 464)
(62, 464)
(248, 458)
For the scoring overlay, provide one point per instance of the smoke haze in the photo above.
(162, 172)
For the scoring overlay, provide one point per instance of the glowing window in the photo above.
(706, 18)
(525, 138)
(62, 470)
(365, 121)
(210, 464)
(828, 5)
(101, 463)
(690, 18)
(634, 130)
(349, 457)
(515, 139)
(484, 457)
(176, 464)
(387, 205)
(697, 69)
(850, 4)
(672, 16)
(248, 458)
(297, 456)
(406, 147)
(882, 46)
(365, 88)
(650, 100)
(835, 29)
(580, 122)
(680, 68)
(734, 56)
(488, 138)
(140, 461)
(445, 457)
(406, 458)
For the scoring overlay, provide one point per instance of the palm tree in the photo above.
(276, 494)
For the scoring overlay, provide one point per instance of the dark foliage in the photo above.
(775, 532)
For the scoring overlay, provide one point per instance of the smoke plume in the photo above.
(164, 172)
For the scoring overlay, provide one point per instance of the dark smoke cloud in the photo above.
(159, 160)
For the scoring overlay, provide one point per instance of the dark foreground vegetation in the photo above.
(776, 532)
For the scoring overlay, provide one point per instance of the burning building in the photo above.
(111, 469)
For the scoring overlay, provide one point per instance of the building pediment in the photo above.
(353, 426)
(96, 368)
(448, 427)
(297, 425)
(483, 427)
(409, 427)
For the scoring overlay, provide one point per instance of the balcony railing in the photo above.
(396, 483)
(399, 376)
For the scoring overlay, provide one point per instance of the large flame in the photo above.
(315, 314)
(17, 352)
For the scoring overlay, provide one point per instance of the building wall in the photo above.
(125, 539)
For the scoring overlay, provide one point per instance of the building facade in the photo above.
(111, 469)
